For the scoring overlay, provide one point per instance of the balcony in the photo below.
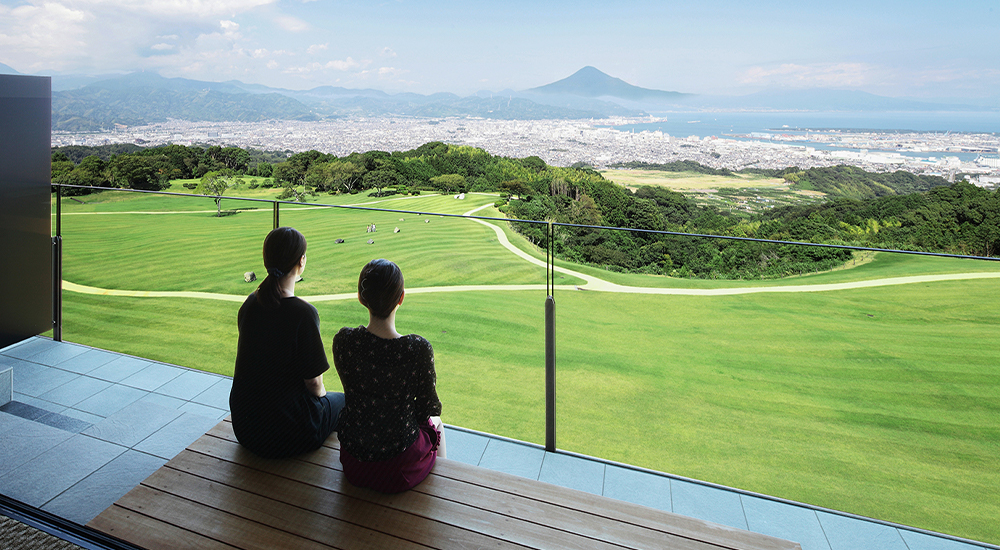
(87, 425)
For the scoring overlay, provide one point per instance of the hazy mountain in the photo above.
(590, 82)
(7, 69)
(95, 106)
(143, 98)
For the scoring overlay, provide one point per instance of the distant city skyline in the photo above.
(893, 48)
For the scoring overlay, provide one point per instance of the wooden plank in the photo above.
(268, 498)
(615, 510)
(459, 514)
(153, 533)
(578, 510)
(626, 516)
(228, 496)
(211, 523)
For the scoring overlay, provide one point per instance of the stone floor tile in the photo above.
(119, 369)
(88, 498)
(188, 385)
(708, 503)
(109, 401)
(785, 521)
(75, 391)
(217, 395)
(573, 472)
(152, 377)
(512, 458)
(203, 410)
(58, 353)
(24, 442)
(847, 533)
(132, 424)
(176, 436)
(42, 380)
(163, 400)
(464, 446)
(24, 371)
(29, 347)
(88, 361)
(921, 541)
(50, 473)
(9, 422)
(638, 487)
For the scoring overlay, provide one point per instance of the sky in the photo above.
(912, 48)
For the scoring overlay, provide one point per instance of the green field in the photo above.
(738, 193)
(881, 401)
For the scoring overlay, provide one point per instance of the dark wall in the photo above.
(25, 207)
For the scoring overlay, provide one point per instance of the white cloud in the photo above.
(387, 52)
(344, 65)
(179, 9)
(392, 71)
(161, 47)
(316, 48)
(291, 24)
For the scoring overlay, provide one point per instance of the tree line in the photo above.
(908, 212)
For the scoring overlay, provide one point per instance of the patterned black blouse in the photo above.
(389, 386)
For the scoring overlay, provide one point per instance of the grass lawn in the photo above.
(681, 181)
(882, 401)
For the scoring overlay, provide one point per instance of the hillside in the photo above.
(144, 98)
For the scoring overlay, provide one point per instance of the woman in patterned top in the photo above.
(390, 429)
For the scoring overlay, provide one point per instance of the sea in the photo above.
(744, 123)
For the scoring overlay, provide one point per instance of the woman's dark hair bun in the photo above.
(380, 287)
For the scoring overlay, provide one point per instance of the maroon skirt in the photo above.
(399, 473)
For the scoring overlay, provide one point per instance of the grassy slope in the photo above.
(877, 401)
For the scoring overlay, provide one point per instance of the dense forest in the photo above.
(896, 210)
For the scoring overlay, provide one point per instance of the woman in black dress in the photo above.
(279, 405)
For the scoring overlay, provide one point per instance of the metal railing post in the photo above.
(550, 344)
(276, 224)
(57, 271)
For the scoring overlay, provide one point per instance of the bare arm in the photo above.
(315, 386)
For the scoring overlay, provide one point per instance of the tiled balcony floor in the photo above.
(87, 425)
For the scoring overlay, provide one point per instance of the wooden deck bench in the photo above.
(215, 494)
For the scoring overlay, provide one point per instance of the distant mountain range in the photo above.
(93, 102)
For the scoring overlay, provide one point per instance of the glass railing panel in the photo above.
(158, 276)
(863, 395)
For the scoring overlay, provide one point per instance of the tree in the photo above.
(234, 158)
(136, 172)
(215, 184)
(447, 182)
(514, 187)
(289, 173)
(380, 179)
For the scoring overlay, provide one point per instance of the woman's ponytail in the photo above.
(283, 248)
